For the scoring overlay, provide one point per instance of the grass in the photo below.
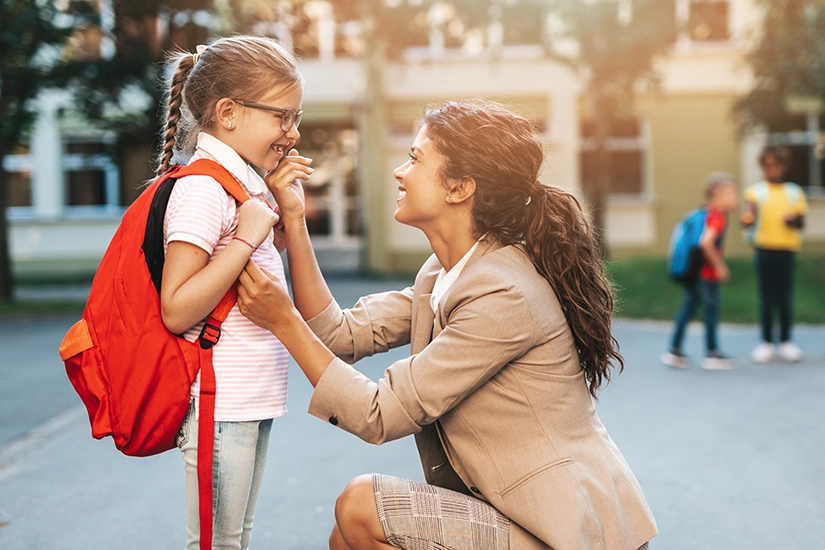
(645, 292)
(642, 288)
(39, 308)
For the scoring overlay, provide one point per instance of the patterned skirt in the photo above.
(418, 516)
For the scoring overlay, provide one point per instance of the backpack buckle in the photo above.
(210, 334)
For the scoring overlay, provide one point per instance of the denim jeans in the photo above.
(703, 293)
(237, 469)
(774, 275)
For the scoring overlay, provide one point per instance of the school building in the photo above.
(70, 186)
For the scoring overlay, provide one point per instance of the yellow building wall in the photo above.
(690, 136)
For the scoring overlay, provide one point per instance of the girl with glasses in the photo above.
(209, 238)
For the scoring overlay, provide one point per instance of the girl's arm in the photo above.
(309, 288)
(192, 286)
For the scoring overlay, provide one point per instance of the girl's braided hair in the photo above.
(244, 67)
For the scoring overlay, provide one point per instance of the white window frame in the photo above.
(98, 161)
(639, 143)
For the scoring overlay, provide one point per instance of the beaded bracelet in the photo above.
(254, 247)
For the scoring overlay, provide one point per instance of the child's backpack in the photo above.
(685, 258)
(132, 374)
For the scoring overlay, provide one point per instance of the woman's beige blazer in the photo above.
(494, 393)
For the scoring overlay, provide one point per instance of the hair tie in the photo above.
(534, 189)
(198, 53)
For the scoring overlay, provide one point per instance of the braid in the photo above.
(184, 67)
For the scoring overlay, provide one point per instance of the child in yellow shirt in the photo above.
(775, 215)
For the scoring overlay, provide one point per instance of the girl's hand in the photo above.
(255, 221)
(264, 299)
(285, 184)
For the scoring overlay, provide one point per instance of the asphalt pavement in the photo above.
(728, 460)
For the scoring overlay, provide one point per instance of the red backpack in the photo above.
(132, 374)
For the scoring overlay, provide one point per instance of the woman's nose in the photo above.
(398, 173)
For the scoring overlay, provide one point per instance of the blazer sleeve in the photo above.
(375, 324)
(489, 324)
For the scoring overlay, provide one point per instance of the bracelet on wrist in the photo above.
(254, 247)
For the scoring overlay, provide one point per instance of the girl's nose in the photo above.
(293, 133)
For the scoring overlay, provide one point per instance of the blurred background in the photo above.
(636, 101)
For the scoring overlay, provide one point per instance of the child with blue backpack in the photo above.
(701, 281)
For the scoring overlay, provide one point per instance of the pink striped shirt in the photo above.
(250, 363)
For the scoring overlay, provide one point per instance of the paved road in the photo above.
(728, 460)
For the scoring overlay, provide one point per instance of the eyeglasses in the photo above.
(288, 116)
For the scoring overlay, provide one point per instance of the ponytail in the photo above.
(501, 152)
(565, 251)
(184, 65)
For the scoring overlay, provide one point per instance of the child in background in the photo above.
(243, 95)
(775, 213)
(722, 197)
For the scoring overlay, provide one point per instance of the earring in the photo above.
(448, 198)
(229, 124)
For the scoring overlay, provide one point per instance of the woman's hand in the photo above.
(255, 221)
(264, 299)
(285, 184)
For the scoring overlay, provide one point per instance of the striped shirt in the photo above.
(250, 363)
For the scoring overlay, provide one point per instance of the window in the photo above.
(333, 205)
(18, 167)
(708, 20)
(801, 135)
(91, 175)
(626, 146)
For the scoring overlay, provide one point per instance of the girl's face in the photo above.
(258, 137)
(773, 169)
(421, 195)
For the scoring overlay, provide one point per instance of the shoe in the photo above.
(763, 353)
(717, 361)
(790, 352)
(676, 359)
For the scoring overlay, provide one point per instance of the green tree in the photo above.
(614, 45)
(32, 36)
(787, 60)
(33, 57)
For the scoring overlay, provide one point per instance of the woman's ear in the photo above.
(461, 190)
(225, 113)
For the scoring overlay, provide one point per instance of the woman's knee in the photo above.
(336, 541)
(352, 506)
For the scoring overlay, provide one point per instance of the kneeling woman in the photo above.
(509, 326)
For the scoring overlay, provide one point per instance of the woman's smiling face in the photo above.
(421, 193)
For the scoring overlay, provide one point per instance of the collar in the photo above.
(211, 147)
(446, 278)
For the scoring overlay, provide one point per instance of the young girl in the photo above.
(243, 95)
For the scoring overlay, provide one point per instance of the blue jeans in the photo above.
(238, 465)
(774, 275)
(706, 294)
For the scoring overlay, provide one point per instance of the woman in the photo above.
(509, 326)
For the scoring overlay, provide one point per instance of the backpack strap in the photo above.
(209, 336)
(213, 169)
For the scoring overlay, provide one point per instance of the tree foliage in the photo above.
(614, 46)
(31, 39)
(787, 60)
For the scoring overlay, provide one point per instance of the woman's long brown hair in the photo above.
(500, 151)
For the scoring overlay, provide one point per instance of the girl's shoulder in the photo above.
(200, 188)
